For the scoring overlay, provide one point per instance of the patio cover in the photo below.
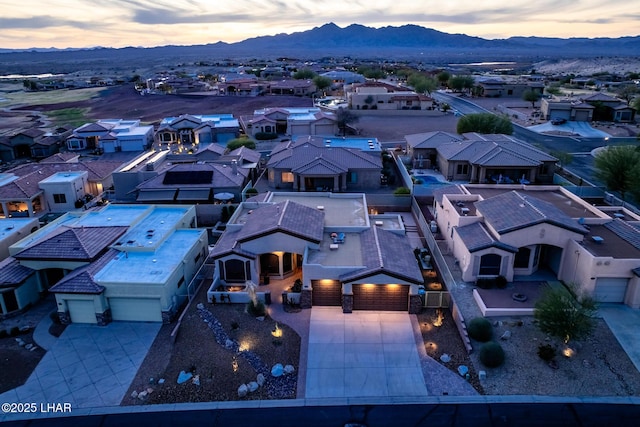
(194, 194)
(149, 196)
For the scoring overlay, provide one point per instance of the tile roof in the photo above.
(245, 154)
(222, 176)
(626, 231)
(320, 166)
(73, 243)
(12, 273)
(81, 281)
(292, 155)
(59, 158)
(497, 152)
(438, 193)
(288, 217)
(476, 237)
(430, 139)
(228, 244)
(512, 211)
(384, 252)
(31, 133)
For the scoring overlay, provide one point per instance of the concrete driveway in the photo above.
(88, 366)
(362, 354)
(623, 322)
(580, 128)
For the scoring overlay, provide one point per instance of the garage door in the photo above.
(136, 309)
(381, 297)
(610, 289)
(81, 311)
(326, 293)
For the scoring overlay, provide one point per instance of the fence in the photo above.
(436, 299)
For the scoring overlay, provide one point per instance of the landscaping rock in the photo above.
(200, 306)
(253, 386)
(228, 344)
(183, 377)
(243, 390)
(142, 394)
(150, 390)
(260, 318)
(260, 380)
(134, 394)
(506, 335)
(25, 328)
(463, 370)
(33, 348)
(20, 342)
(161, 381)
(28, 346)
(482, 375)
(196, 380)
(277, 370)
(289, 369)
(445, 358)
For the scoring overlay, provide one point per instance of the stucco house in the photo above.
(344, 256)
(493, 87)
(292, 87)
(324, 164)
(111, 135)
(423, 147)
(597, 106)
(23, 195)
(384, 96)
(291, 121)
(197, 130)
(32, 143)
(129, 263)
(518, 230)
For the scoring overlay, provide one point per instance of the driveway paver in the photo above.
(88, 366)
(362, 354)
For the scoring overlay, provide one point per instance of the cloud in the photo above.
(44, 21)
(166, 17)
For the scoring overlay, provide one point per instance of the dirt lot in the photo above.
(17, 362)
(195, 350)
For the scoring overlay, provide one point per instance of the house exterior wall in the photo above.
(72, 189)
(278, 242)
(20, 229)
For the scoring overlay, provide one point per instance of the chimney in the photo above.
(234, 167)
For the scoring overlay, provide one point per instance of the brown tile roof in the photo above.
(77, 243)
(288, 217)
(81, 281)
(12, 273)
(59, 158)
(31, 133)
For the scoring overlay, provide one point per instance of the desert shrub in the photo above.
(264, 136)
(55, 317)
(416, 253)
(501, 282)
(485, 283)
(480, 329)
(297, 286)
(491, 354)
(234, 326)
(257, 309)
(3, 333)
(14, 331)
(401, 191)
(546, 352)
(251, 192)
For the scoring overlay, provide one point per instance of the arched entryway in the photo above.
(279, 264)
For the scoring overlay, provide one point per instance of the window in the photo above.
(490, 265)
(59, 198)
(166, 137)
(272, 175)
(197, 258)
(462, 169)
(522, 258)
(181, 282)
(287, 177)
(352, 177)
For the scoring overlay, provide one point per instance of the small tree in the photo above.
(531, 96)
(345, 117)
(303, 74)
(553, 90)
(322, 82)
(564, 158)
(486, 123)
(619, 168)
(561, 315)
(628, 92)
(240, 142)
(443, 77)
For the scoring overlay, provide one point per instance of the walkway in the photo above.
(362, 354)
(88, 366)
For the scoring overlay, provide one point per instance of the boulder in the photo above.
(243, 390)
(482, 375)
(183, 377)
(33, 348)
(228, 344)
(463, 370)
(200, 306)
(161, 381)
(25, 328)
(149, 390)
(253, 386)
(506, 335)
(260, 318)
(134, 394)
(277, 370)
(142, 394)
(196, 380)
(28, 346)
(289, 369)
(260, 380)
(445, 358)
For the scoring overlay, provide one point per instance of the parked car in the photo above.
(558, 121)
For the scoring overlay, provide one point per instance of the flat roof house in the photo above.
(111, 135)
(346, 257)
(196, 130)
(517, 230)
(123, 262)
(292, 121)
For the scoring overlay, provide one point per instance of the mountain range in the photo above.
(407, 42)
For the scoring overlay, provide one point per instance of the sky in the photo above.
(120, 23)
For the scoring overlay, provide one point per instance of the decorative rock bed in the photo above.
(281, 387)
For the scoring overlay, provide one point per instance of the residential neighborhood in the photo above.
(251, 232)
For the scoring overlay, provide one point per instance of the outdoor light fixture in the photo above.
(277, 332)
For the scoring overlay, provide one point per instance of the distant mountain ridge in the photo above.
(407, 42)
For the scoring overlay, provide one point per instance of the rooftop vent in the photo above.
(464, 211)
(597, 239)
(320, 207)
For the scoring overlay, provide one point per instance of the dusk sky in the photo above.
(119, 23)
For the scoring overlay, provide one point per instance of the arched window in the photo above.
(490, 265)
